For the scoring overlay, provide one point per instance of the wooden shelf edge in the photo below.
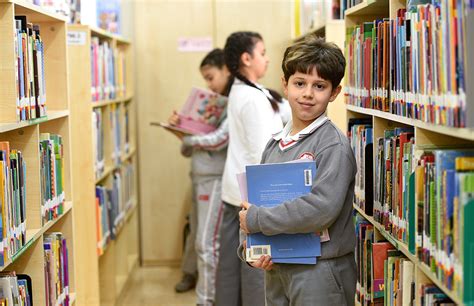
(34, 234)
(37, 9)
(464, 133)
(105, 174)
(72, 298)
(97, 104)
(52, 115)
(96, 31)
(127, 156)
(365, 8)
(402, 247)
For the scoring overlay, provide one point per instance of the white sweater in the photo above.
(252, 122)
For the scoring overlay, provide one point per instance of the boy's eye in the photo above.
(319, 86)
(299, 84)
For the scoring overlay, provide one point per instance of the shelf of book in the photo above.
(383, 97)
(399, 245)
(464, 133)
(36, 197)
(104, 124)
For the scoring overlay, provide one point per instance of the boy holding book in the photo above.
(312, 70)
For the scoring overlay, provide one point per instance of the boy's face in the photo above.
(309, 96)
(216, 78)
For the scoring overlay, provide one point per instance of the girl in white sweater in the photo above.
(253, 116)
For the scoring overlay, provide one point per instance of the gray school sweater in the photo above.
(329, 205)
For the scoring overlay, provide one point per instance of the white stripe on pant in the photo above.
(209, 209)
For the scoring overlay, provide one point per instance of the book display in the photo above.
(103, 122)
(36, 196)
(410, 126)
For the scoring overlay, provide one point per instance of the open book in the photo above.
(201, 114)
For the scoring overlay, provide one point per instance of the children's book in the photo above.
(269, 185)
(201, 114)
(108, 15)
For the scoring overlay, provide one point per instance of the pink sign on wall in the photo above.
(195, 44)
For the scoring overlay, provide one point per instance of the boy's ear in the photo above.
(284, 83)
(335, 93)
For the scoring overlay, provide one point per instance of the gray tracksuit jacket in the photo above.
(328, 206)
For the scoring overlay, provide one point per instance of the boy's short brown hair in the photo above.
(313, 52)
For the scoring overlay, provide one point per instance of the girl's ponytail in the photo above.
(237, 44)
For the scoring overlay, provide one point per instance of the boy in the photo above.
(312, 70)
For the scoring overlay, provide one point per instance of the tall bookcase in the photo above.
(426, 135)
(25, 136)
(109, 261)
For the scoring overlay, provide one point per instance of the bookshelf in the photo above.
(26, 135)
(110, 262)
(428, 136)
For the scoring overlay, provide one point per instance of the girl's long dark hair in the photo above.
(215, 58)
(237, 44)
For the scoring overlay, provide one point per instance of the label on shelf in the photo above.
(76, 38)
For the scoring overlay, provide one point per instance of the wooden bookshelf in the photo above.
(426, 135)
(25, 136)
(107, 273)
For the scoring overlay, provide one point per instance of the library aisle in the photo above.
(154, 286)
(95, 195)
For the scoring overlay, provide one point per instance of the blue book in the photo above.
(270, 185)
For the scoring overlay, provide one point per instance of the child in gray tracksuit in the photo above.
(312, 70)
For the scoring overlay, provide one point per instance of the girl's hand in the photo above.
(174, 119)
(243, 216)
(264, 263)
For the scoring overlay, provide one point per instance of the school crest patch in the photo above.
(307, 155)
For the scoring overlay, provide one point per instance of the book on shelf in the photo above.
(270, 185)
(15, 289)
(98, 142)
(202, 112)
(52, 176)
(13, 200)
(29, 74)
(103, 70)
(116, 131)
(360, 135)
(56, 269)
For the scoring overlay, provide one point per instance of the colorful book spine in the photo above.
(30, 75)
(52, 176)
(56, 269)
(107, 71)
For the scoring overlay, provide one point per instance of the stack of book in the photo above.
(360, 135)
(16, 289)
(56, 269)
(12, 200)
(29, 74)
(98, 139)
(52, 176)
(270, 185)
(103, 70)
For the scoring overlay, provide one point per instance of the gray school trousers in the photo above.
(236, 283)
(329, 282)
(189, 261)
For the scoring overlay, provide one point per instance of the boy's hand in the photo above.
(264, 263)
(243, 216)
